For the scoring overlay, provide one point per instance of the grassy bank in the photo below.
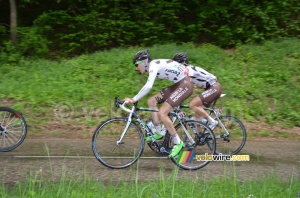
(261, 83)
(225, 186)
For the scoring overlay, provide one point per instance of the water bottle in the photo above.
(151, 126)
(204, 120)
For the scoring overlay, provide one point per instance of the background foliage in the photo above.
(64, 28)
(262, 83)
(78, 53)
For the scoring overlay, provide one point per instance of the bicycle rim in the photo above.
(191, 157)
(13, 129)
(109, 152)
(237, 136)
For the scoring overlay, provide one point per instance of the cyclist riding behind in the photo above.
(205, 80)
(172, 96)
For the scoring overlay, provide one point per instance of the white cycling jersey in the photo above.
(200, 77)
(164, 69)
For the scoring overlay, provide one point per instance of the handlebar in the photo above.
(125, 108)
(121, 103)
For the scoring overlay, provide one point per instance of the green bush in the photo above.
(30, 44)
(75, 27)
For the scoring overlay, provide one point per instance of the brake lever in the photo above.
(118, 102)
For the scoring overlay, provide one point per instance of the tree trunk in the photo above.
(13, 21)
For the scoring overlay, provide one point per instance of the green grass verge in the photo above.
(262, 83)
(224, 186)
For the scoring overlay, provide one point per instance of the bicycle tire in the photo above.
(13, 129)
(189, 157)
(237, 136)
(111, 154)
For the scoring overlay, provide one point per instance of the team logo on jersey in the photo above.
(177, 73)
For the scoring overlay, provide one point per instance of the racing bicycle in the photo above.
(13, 129)
(230, 133)
(119, 142)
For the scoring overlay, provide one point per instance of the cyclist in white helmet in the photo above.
(172, 96)
(205, 80)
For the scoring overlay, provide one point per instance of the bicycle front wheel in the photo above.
(232, 142)
(113, 154)
(13, 129)
(198, 152)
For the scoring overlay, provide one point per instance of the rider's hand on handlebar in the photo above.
(129, 100)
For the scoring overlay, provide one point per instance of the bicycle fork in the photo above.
(126, 129)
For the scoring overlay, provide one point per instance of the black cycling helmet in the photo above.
(141, 55)
(181, 57)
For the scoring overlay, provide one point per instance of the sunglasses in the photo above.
(137, 63)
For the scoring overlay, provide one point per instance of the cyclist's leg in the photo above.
(196, 106)
(152, 103)
(178, 93)
(163, 112)
(156, 99)
(205, 99)
(210, 94)
(174, 96)
(163, 116)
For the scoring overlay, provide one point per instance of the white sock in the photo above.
(158, 129)
(176, 138)
(210, 120)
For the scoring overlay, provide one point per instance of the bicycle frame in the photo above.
(132, 113)
(212, 111)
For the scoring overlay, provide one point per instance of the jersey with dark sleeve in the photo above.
(163, 69)
(200, 77)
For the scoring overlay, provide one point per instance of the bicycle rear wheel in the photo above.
(192, 155)
(13, 129)
(109, 152)
(232, 143)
